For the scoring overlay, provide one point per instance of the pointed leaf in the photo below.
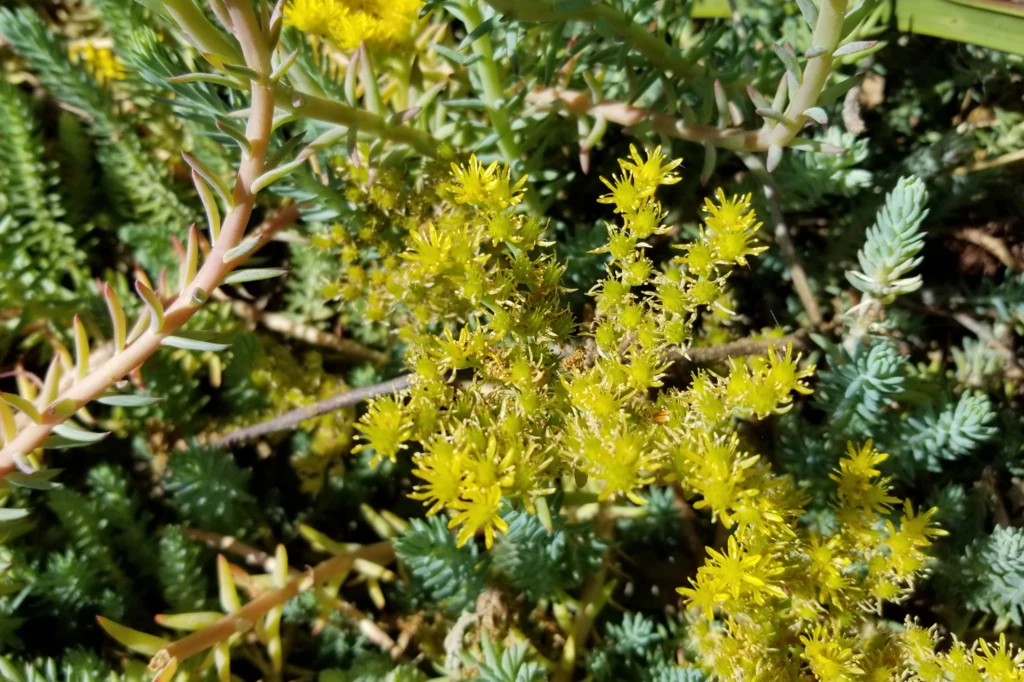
(212, 179)
(774, 157)
(285, 150)
(254, 275)
(8, 428)
(773, 114)
(757, 98)
(128, 400)
(117, 317)
(281, 566)
(810, 12)
(156, 308)
(140, 642)
(857, 15)
(28, 464)
(453, 56)
(190, 265)
(854, 47)
(17, 402)
(837, 90)
(73, 431)
(199, 341)
(54, 442)
(779, 100)
(710, 159)
(371, 91)
(37, 481)
(428, 97)
(188, 621)
(237, 135)
(63, 408)
(242, 250)
(818, 115)
(82, 351)
(141, 324)
(243, 71)
(404, 116)
(51, 384)
(214, 78)
(283, 67)
(209, 205)
(485, 27)
(9, 514)
(351, 86)
(789, 60)
(229, 600)
(272, 176)
(815, 51)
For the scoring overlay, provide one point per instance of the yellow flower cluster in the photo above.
(348, 23)
(784, 598)
(98, 58)
(387, 215)
(983, 662)
(507, 399)
(533, 403)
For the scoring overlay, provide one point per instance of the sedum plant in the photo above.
(397, 342)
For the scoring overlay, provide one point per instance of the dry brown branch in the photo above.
(994, 245)
(291, 420)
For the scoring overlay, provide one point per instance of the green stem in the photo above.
(491, 82)
(596, 593)
(321, 109)
(801, 283)
(827, 33)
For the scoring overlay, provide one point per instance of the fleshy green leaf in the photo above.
(254, 275)
(200, 341)
(74, 432)
(242, 250)
(156, 309)
(140, 642)
(9, 514)
(37, 481)
(127, 400)
(17, 402)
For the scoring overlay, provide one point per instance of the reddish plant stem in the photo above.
(245, 618)
(578, 102)
(209, 277)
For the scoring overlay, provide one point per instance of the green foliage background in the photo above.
(91, 187)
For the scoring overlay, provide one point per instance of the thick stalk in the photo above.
(827, 33)
(321, 109)
(246, 618)
(596, 593)
(490, 81)
(208, 278)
